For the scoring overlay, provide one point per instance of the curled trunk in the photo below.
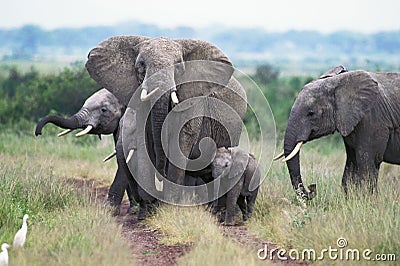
(71, 122)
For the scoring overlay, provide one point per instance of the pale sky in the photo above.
(278, 15)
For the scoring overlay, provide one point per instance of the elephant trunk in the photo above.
(294, 137)
(73, 122)
(159, 113)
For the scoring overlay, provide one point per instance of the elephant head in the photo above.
(229, 162)
(100, 114)
(124, 63)
(337, 101)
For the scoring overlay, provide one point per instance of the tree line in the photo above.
(31, 95)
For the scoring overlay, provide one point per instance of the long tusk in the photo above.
(294, 152)
(145, 97)
(129, 157)
(85, 131)
(109, 156)
(65, 132)
(280, 155)
(174, 98)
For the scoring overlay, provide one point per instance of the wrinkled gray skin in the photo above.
(123, 63)
(364, 107)
(103, 111)
(238, 167)
(127, 134)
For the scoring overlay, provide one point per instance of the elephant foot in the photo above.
(132, 208)
(142, 211)
(146, 209)
(229, 221)
(114, 209)
(115, 204)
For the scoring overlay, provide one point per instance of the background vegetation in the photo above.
(68, 227)
(292, 51)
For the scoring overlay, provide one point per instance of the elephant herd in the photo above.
(176, 114)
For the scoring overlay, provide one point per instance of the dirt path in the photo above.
(145, 242)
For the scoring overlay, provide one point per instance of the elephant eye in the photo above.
(310, 113)
(103, 109)
(140, 70)
(226, 164)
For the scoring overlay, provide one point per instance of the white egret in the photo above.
(4, 254)
(20, 236)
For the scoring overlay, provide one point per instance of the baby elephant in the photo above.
(240, 176)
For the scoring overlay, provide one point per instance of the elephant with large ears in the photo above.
(100, 114)
(364, 107)
(154, 69)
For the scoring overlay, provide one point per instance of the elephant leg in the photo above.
(251, 200)
(366, 150)
(231, 200)
(179, 153)
(133, 196)
(243, 206)
(144, 171)
(349, 169)
(368, 170)
(117, 189)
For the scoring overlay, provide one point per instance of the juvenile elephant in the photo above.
(169, 73)
(239, 172)
(101, 114)
(364, 107)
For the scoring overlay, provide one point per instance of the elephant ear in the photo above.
(112, 64)
(355, 96)
(240, 159)
(203, 61)
(334, 72)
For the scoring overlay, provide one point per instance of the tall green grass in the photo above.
(365, 221)
(65, 226)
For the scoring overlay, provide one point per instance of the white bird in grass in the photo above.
(20, 236)
(4, 254)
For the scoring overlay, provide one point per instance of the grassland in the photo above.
(67, 226)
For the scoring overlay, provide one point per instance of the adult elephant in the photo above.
(364, 107)
(163, 69)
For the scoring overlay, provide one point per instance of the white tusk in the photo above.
(174, 98)
(109, 156)
(85, 131)
(145, 97)
(280, 155)
(65, 132)
(129, 157)
(159, 184)
(294, 152)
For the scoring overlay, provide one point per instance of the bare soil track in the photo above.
(145, 244)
